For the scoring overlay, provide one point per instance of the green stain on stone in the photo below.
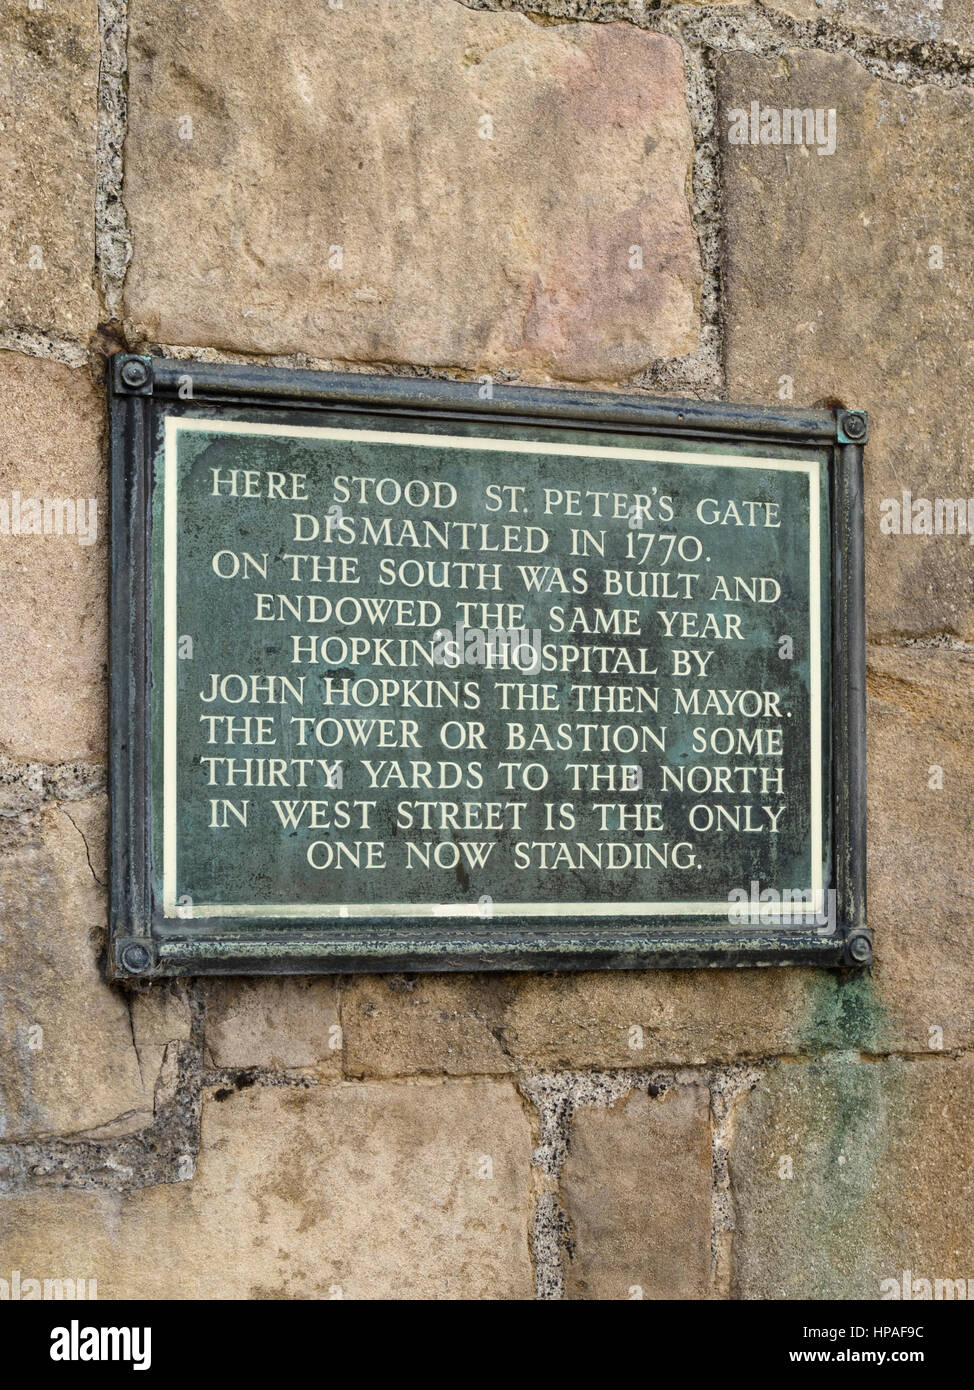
(839, 1108)
(844, 1012)
(822, 1231)
(853, 1106)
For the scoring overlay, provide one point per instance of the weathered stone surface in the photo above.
(53, 590)
(331, 1191)
(921, 878)
(636, 1187)
(67, 1062)
(830, 283)
(504, 252)
(289, 1022)
(882, 1179)
(48, 113)
(950, 21)
(601, 1019)
(434, 1024)
(678, 1016)
(161, 1014)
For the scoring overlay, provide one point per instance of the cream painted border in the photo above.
(176, 425)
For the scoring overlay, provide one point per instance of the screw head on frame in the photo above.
(854, 425)
(860, 948)
(134, 373)
(135, 958)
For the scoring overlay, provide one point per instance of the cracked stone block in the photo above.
(847, 1173)
(68, 1061)
(447, 187)
(48, 120)
(161, 1013)
(161, 1016)
(636, 1188)
(277, 1023)
(850, 278)
(53, 587)
(386, 1191)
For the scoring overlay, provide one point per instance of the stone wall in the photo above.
(432, 187)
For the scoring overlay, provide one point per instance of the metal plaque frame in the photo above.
(143, 389)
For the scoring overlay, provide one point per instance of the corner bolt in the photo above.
(134, 373)
(135, 958)
(854, 426)
(859, 948)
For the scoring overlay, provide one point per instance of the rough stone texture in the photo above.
(951, 21)
(498, 1023)
(85, 1073)
(348, 1190)
(289, 1022)
(161, 1014)
(636, 1188)
(508, 252)
(494, 255)
(685, 1016)
(52, 589)
(883, 1182)
(437, 1024)
(828, 282)
(48, 113)
(921, 878)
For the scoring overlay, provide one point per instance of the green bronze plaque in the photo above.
(406, 678)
